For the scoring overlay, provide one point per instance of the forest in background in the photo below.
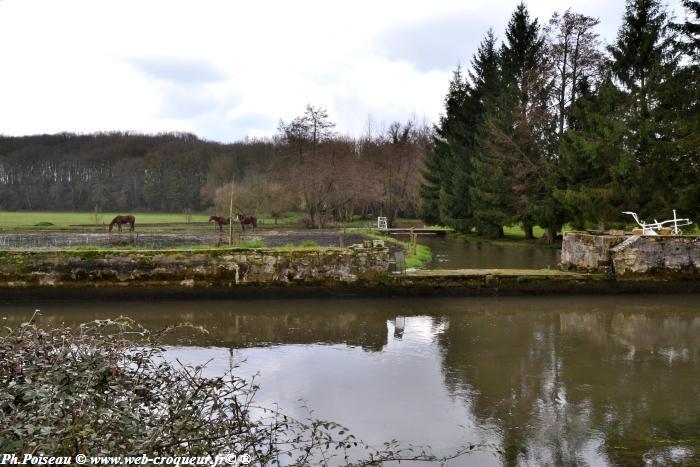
(306, 167)
(549, 127)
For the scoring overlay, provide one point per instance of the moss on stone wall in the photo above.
(206, 267)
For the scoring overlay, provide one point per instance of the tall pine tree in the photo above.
(436, 191)
(588, 150)
(458, 210)
(623, 153)
(490, 188)
(643, 67)
(517, 139)
(686, 95)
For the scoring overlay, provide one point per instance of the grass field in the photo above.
(18, 220)
(86, 220)
(10, 220)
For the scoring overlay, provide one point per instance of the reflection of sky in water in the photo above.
(397, 392)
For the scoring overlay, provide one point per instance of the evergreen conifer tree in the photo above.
(686, 95)
(516, 140)
(436, 191)
(643, 67)
(588, 150)
(490, 190)
(690, 31)
(482, 83)
(622, 152)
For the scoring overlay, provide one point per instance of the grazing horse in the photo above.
(245, 220)
(220, 221)
(121, 220)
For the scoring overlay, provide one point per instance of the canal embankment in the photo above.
(223, 267)
(590, 264)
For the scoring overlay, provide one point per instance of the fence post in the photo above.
(230, 217)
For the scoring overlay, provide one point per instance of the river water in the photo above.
(456, 253)
(576, 380)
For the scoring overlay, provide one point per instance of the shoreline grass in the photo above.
(422, 256)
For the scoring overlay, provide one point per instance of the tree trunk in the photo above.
(550, 235)
(562, 93)
(528, 232)
(491, 231)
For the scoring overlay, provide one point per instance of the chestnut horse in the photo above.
(121, 220)
(220, 221)
(245, 220)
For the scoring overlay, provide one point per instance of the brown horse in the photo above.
(121, 220)
(220, 221)
(245, 220)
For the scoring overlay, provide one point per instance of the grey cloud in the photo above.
(440, 43)
(242, 124)
(186, 103)
(178, 70)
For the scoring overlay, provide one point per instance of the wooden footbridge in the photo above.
(416, 231)
(383, 226)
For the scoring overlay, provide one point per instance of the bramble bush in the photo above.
(106, 388)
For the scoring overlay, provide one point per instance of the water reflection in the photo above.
(552, 381)
(455, 253)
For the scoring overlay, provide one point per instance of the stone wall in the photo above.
(205, 268)
(628, 256)
(657, 255)
(585, 252)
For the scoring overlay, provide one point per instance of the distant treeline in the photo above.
(117, 171)
(549, 127)
(307, 166)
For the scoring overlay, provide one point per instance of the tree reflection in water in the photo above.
(568, 384)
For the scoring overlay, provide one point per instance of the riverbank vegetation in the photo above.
(108, 388)
(417, 255)
(548, 126)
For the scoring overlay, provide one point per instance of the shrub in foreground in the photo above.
(107, 389)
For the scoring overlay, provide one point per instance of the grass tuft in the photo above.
(251, 244)
(422, 256)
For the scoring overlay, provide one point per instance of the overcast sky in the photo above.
(229, 69)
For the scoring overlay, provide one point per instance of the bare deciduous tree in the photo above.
(574, 52)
